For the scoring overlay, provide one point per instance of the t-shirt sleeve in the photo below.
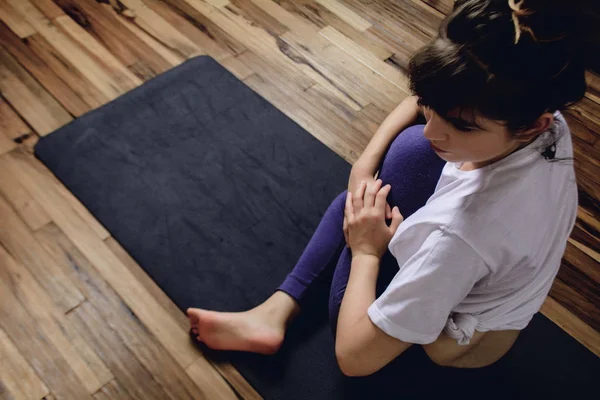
(417, 303)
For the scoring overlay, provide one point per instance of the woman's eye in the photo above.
(466, 128)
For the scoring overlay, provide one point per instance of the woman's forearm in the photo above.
(359, 294)
(402, 117)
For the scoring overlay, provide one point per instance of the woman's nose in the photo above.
(435, 129)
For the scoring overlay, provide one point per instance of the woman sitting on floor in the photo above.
(488, 194)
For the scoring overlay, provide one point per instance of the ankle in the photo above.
(280, 307)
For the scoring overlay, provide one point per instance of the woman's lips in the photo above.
(437, 149)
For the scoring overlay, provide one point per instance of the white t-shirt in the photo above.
(483, 252)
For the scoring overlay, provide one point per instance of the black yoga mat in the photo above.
(215, 193)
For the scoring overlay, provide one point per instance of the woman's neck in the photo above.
(471, 166)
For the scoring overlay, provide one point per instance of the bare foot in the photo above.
(251, 331)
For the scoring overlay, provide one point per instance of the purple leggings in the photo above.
(413, 169)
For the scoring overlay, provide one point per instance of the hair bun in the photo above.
(576, 21)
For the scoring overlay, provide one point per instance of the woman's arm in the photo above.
(365, 167)
(402, 117)
(362, 348)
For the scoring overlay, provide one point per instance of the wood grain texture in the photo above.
(15, 21)
(193, 13)
(321, 17)
(68, 203)
(52, 323)
(104, 26)
(21, 201)
(13, 128)
(97, 64)
(42, 72)
(18, 379)
(111, 391)
(66, 71)
(18, 240)
(29, 98)
(128, 332)
(578, 329)
(346, 14)
(47, 361)
(195, 31)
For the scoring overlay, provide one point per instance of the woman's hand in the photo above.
(356, 177)
(365, 211)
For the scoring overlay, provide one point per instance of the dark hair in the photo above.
(509, 64)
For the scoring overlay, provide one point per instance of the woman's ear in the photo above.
(541, 125)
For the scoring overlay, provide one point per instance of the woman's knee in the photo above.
(412, 168)
(410, 150)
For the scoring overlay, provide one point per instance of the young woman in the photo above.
(488, 194)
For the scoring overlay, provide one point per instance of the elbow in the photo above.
(349, 369)
(349, 365)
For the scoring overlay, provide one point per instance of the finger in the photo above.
(371, 192)
(381, 198)
(397, 219)
(388, 211)
(349, 211)
(358, 197)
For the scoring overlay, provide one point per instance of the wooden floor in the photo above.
(78, 317)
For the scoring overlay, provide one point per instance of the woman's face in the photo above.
(478, 142)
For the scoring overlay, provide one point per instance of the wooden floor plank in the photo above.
(572, 325)
(113, 81)
(18, 378)
(29, 98)
(264, 19)
(103, 25)
(41, 71)
(321, 17)
(443, 6)
(142, 277)
(405, 26)
(13, 128)
(86, 365)
(593, 81)
(236, 67)
(111, 391)
(15, 21)
(152, 23)
(136, 381)
(196, 371)
(346, 14)
(587, 112)
(35, 348)
(18, 240)
(260, 42)
(192, 11)
(576, 303)
(195, 32)
(155, 318)
(66, 71)
(121, 79)
(21, 201)
(126, 326)
(393, 75)
(48, 8)
(280, 54)
(172, 57)
(340, 70)
(68, 203)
